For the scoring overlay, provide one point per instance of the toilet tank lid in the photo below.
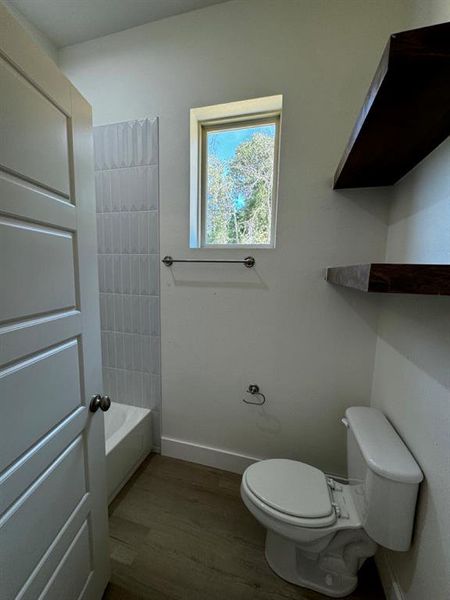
(381, 446)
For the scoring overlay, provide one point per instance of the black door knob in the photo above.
(103, 402)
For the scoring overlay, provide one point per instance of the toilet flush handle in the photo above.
(344, 420)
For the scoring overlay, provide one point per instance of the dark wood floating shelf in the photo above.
(390, 278)
(406, 113)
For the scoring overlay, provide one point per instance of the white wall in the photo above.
(308, 345)
(412, 376)
(38, 37)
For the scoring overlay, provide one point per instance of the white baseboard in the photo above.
(206, 455)
(389, 582)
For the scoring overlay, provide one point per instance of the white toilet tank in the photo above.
(384, 477)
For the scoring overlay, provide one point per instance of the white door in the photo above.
(53, 512)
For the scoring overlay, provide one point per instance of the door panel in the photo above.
(23, 199)
(26, 337)
(58, 370)
(53, 511)
(41, 513)
(48, 565)
(24, 249)
(74, 570)
(30, 123)
(14, 481)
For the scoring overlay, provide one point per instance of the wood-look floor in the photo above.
(179, 531)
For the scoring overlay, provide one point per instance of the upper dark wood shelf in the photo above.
(406, 113)
(390, 278)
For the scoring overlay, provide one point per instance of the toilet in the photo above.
(319, 530)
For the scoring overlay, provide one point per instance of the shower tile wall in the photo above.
(126, 178)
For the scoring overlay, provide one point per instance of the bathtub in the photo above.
(128, 440)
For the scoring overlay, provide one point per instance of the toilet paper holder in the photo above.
(253, 390)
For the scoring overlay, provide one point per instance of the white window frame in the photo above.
(207, 118)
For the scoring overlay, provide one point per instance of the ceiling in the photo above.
(67, 22)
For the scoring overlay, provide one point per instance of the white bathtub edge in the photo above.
(126, 478)
(127, 448)
(138, 415)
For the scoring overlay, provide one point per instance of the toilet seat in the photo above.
(291, 487)
(290, 491)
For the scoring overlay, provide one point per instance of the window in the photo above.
(234, 171)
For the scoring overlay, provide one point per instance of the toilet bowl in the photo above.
(320, 531)
(304, 511)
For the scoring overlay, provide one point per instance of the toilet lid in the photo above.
(290, 487)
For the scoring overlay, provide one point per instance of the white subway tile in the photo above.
(155, 355)
(125, 233)
(152, 233)
(117, 312)
(126, 304)
(100, 234)
(144, 275)
(104, 344)
(99, 191)
(119, 350)
(116, 190)
(127, 351)
(153, 274)
(107, 191)
(113, 376)
(137, 353)
(153, 310)
(107, 233)
(134, 233)
(115, 223)
(145, 314)
(131, 189)
(151, 127)
(135, 314)
(143, 238)
(117, 286)
(140, 190)
(134, 261)
(106, 311)
(152, 187)
(109, 273)
(101, 273)
(102, 312)
(146, 352)
(121, 389)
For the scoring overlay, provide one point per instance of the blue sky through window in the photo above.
(223, 143)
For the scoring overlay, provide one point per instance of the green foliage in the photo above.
(240, 194)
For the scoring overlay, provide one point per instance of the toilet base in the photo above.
(332, 572)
